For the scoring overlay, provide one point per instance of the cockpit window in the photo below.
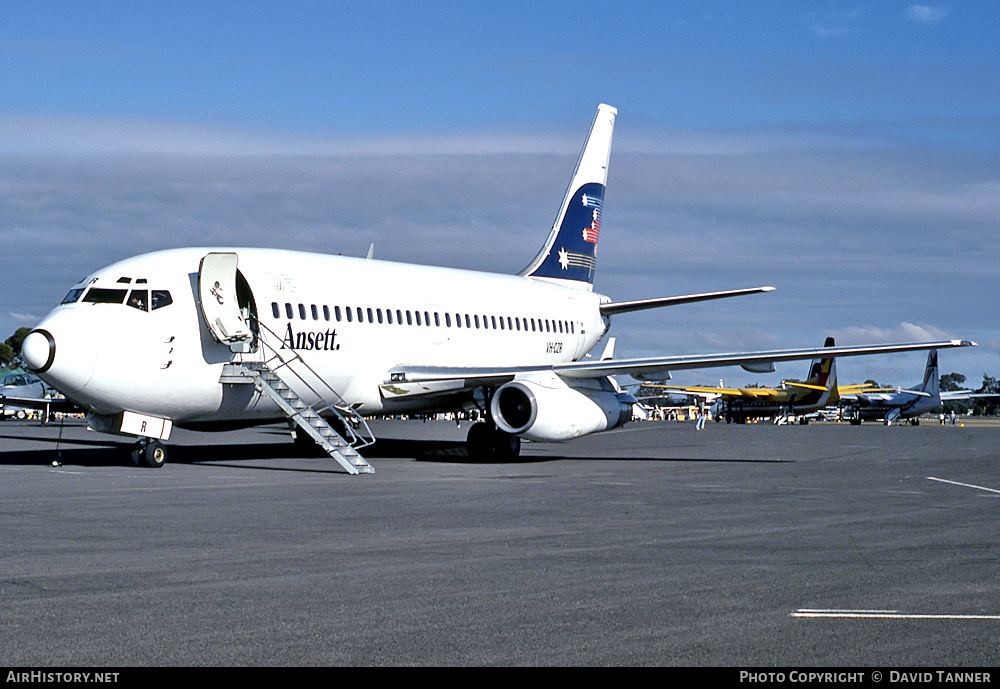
(73, 296)
(161, 298)
(103, 295)
(139, 299)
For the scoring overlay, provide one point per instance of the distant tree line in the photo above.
(10, 349)
(985, 406)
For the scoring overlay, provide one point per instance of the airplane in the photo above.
(891, 405)
(791, 399)
(218, 338)
(19, 385)
(20, 392)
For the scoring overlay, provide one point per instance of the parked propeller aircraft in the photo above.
(890, 405)
(791, 399)
(210, 338)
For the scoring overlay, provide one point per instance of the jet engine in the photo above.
(546, 408)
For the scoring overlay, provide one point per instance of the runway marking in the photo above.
(884, 614)
(966, 485)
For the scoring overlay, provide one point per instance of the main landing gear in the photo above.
(149, 453)
(489, 443)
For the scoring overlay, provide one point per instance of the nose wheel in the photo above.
(149, 453)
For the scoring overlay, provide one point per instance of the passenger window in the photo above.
(288, 311)
(326, 312)
(336, 313)
(302, 311)
(159, 299)
(315, 312)
(350, 316)
(275, 309)
(139, 299)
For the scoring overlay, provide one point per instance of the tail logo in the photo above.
(573, 252)
(592, 234)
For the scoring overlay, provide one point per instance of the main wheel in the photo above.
(479, 442)
(505, 446)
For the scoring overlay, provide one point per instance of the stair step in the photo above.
(304, 416)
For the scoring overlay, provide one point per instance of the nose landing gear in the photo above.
(149, 453)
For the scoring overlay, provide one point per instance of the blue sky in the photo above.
(845, 153)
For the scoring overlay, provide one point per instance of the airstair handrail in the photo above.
(366, 438)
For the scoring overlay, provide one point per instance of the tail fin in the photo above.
(823, 372)
(569, 255)
(931, 382)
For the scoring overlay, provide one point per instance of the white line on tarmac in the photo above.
(966, 485)
(885, 614)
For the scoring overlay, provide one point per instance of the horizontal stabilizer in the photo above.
(612, 308)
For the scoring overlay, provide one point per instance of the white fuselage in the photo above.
(351, 320)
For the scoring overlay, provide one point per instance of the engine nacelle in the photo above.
(547, 409)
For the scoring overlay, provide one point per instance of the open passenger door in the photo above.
(219, 304)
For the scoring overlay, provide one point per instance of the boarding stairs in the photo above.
(272, 373)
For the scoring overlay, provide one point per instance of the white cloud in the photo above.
(904, 332)
(926, 14)
(74, 136)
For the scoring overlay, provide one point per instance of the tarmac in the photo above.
(754, 546)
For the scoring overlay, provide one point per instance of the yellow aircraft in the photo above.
(791, 399)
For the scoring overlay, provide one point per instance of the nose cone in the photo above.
(38, 351)
(61, 351)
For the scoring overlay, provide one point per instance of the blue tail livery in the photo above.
(569, 254)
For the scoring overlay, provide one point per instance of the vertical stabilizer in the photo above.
(932, 382)
(569, 254)
(823, 372)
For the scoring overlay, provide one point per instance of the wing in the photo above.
(650, 368)
(56, 404)
(952, 395)
(701, 390)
